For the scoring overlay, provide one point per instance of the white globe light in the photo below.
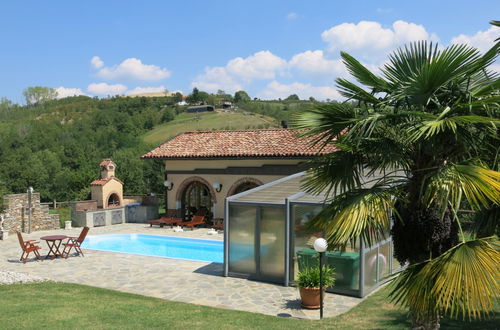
(320, 245)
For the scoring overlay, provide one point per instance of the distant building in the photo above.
(227, 105)
(200, 108)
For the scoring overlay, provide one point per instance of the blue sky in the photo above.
(268, 48)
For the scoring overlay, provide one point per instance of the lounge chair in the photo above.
(170, 219)
(218, 224)
(28, 247)
(75, 242)
(195, 221)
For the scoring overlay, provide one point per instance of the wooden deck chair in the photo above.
(28, 247)
(195, 221)
(170, 219)
(75, 242)
(218, 224)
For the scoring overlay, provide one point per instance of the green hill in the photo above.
(206, 122)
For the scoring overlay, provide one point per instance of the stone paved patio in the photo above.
(177, 280)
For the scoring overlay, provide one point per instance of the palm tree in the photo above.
(418, 141)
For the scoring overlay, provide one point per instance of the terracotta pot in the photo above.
(310, 298)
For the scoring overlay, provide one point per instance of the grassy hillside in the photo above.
(208, 121)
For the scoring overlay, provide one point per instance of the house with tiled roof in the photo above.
(202, 168)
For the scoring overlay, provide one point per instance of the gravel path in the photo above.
(7, 277)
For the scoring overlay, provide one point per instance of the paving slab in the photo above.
(193, 282)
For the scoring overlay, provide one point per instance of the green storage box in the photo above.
(346, 266)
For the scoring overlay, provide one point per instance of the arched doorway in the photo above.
(243, 184)
(113, 200)
(196, 198)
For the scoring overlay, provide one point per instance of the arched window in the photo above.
(113, 200)
(243, 184)
(244, 187)
(196, 197)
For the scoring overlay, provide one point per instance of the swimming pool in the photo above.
(158, 246)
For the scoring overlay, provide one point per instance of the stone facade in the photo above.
(16, 214)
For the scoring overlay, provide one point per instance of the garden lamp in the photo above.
(320, 245)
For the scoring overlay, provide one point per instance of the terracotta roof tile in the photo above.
(106, 162)
(238, 143)
(102, 182)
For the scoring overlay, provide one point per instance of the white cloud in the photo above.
(96, 62)
(277, 90)
(106, 89)
(482, 40)
(314, 63)
(261, 65)
(372, 39)
(239, 71)
(142, 90)
(385, 10)
(292, 16)
(130, 69)
(215, 78)
(63, 92)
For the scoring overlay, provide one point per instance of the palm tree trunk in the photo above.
(430, 323)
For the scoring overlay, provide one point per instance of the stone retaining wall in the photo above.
(16, 214)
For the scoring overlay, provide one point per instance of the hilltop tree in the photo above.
(39, 94)
(425, 135)
(293, 97)
(241, 96)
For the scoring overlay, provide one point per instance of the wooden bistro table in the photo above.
(54, 242)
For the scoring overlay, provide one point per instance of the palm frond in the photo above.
(325, 122)
(446, 121)
(461, 282)
(481, 186)
(353, 92)
(361, 213)
(487, 222)
(363, 75)
(335, 173)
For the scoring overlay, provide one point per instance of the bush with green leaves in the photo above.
(309, 277)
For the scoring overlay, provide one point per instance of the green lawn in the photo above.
(71, 306)
(208, 121)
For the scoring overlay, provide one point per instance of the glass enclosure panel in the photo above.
(370, 269)
(242, 225)
(301, 238)
(384, 257)
(272, 242)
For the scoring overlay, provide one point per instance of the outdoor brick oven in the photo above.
(108, 206)
(107, 190)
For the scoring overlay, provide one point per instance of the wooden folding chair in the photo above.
(28, 247)
(75, 242)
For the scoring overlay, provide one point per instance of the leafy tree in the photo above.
(5, 103)
(425, 135)
(194, 96)
(177, 97)
(39, 94)
(293, 97)
(241, 96)
(168, 115)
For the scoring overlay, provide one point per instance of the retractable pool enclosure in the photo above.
(265, 240)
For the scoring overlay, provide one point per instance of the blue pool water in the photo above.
(158, 246)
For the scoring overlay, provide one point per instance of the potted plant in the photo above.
(308, 283)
